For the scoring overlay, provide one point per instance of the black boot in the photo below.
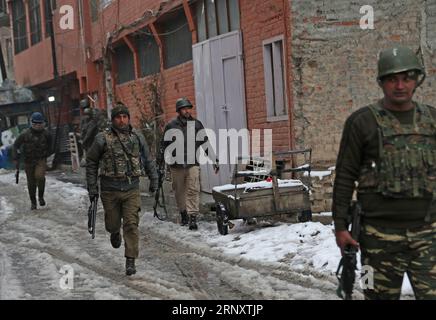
(41, 188)
(33, 203)
(130, 266)
(184, 216)
(192, 223)
(116, 240)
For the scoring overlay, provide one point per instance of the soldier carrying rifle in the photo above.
(389, 148)
(122, 156)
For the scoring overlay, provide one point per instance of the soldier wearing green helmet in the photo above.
(388, 156)
(184, 173)
(119, 156)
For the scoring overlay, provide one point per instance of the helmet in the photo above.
(119, 109)
(36, 117)
(84, 103)
(183, 103)
(398, 59)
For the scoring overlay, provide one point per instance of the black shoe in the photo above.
(116, 240)
(184, 216)
(33, 206)
(130, 266)
(192, 223)
(41, 202)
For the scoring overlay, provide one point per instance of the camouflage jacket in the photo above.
(359, 149)
(122, 158)
(34, 145)
(91, 126)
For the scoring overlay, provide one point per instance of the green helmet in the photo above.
(119, 109)
(398, 59)
(183, 103)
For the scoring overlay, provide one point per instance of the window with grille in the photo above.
(48, 17)
(98, 6)
(176, 39)
(3, 6)
(216, 17)
(148, 52)
(94, 9)
(19, 26)
(125, 64)
(35, 21)
(274, 78)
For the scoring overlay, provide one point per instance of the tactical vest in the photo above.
(122, 156)
(407, 156)
(35, 145)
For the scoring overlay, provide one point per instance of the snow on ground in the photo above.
(297, 245)
(300, 246)
(319, 174)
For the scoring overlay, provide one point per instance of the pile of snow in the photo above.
(259, 185)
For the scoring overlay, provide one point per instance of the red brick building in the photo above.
(230, 57)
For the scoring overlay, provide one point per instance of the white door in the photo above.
(219, 95)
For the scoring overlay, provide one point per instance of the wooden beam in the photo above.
(134, 50)
(191, 23)
(159, 44)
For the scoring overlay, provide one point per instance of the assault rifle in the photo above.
(92, 214)
(158, 194)
(346, 272)
(17, 172)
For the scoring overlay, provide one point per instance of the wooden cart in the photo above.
(263, 198)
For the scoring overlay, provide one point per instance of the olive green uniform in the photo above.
(122, 158)
(396, 187)
(36, 147)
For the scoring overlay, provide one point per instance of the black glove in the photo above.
(153, 186)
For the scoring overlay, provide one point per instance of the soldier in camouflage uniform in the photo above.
(122, 156)
(35, 144)
(389, 149)
(94, 122)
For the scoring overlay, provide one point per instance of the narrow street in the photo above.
(35, 245)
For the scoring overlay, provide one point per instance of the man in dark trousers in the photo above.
(389, 149)
(122, 156)
(35, 144)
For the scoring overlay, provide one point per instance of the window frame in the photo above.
(20, 39)
(270, 79)
(35, 21)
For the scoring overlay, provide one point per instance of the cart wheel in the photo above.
(305, 216)
(222, 219)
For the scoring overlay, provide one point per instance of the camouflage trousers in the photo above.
(123, 207)
(35, 173)
(393, 252)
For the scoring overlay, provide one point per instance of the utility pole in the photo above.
(52, 39)
(2, 64)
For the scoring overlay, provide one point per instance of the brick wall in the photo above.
(175, 82)
(335, 62)
(262, 20)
